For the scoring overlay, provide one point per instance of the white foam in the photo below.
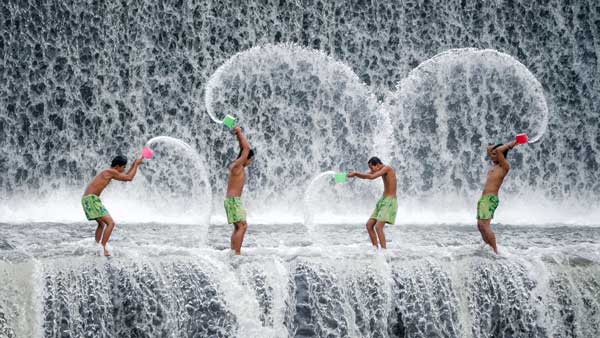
(65, 207)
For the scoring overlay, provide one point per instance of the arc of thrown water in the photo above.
(194, 155)
(171, 140)
(260, 50)
(307, 193)
(537, 88)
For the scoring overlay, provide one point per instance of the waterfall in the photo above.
(83, 83)
(346, 296)
(317, 87)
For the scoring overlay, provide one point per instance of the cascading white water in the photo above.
(309, 195)
(317, 86)
(301, 110)
(279, 292)
(451, 107)
(174, 183)
(304, 112)
(328, 202)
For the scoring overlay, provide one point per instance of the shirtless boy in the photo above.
(94, 210)
(489, 198)
(387, 206)
(236, 214)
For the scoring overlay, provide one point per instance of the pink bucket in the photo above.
(147, 153)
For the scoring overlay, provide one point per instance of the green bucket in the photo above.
(229, 121)
(341, 177)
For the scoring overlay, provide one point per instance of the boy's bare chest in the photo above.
(496, 172)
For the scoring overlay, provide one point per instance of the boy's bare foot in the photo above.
(106, 253)
(98, 249)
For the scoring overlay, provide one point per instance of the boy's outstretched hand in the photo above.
(351, 173)
(236, 130)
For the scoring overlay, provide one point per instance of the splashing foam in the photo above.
(450, 108)
(173, 187)
(175, 182)
(310, 113)
(303, 113)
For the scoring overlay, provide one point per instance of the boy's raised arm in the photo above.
(130, 173)
(500, 154)
(506, 146)
(244, 145)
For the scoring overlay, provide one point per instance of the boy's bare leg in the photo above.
(233, 238)
(380, 234)
(372, 235)
(237, 237)
(486, 233)
(110, 224)
(99, 231)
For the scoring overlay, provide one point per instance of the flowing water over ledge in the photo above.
(320, 86)
(180, 281)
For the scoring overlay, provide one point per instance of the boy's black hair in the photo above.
(504, 152)
(374, 161)
(118, 161)
(250, 154)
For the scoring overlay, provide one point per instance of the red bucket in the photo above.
(521, 138)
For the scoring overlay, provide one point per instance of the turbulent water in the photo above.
(319, 87)
(180, 281)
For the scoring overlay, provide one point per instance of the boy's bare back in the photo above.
(99, 182)
(102, 180)
(389, 182)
